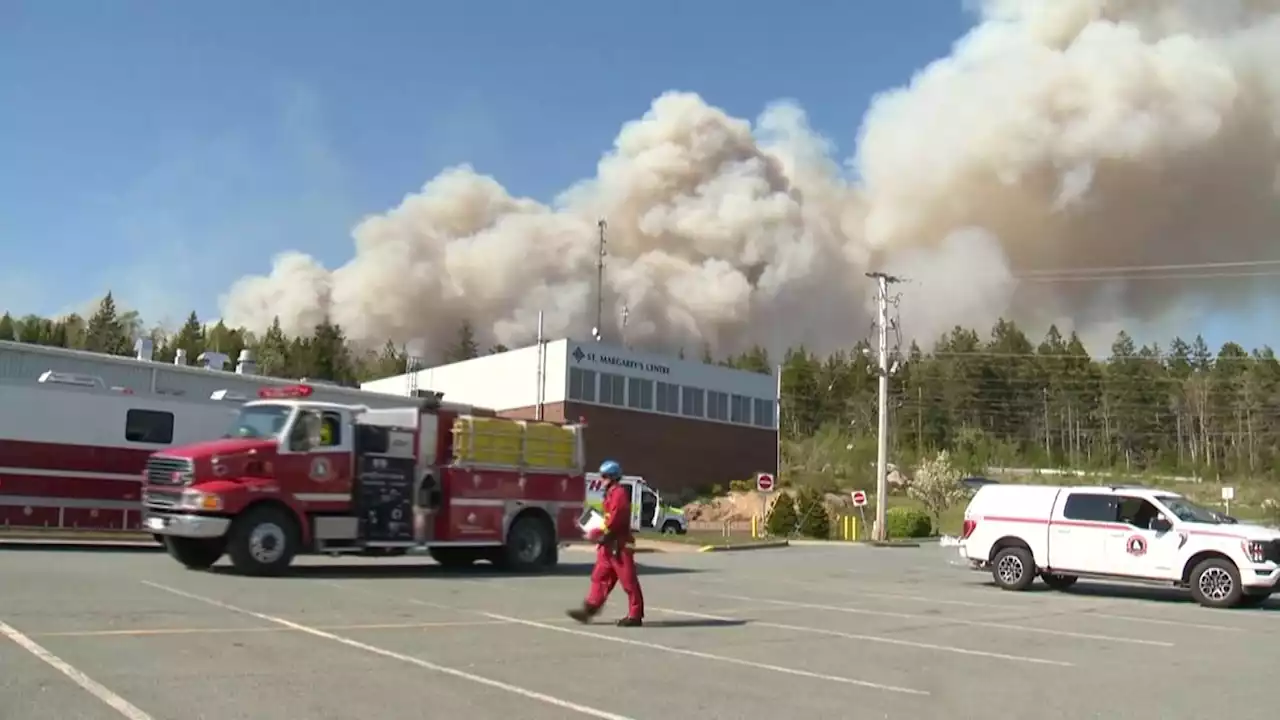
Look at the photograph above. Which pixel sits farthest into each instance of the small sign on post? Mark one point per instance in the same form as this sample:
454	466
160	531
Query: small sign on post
859	498
1228	494
764	482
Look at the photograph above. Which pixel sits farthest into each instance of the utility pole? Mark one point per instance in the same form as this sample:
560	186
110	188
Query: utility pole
882	434
599	328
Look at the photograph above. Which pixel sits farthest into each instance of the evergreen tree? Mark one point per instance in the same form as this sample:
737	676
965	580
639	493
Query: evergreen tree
8	328
782	519
272	352
814	519
465	346
105	333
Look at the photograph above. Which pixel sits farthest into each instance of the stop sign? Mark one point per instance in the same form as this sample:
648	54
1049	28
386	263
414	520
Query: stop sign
764	482
859	498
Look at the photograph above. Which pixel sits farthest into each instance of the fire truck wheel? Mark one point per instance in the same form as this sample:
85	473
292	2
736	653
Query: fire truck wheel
263	541
195	554
531	545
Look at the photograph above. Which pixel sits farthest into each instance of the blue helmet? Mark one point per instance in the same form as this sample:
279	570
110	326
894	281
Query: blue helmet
611	469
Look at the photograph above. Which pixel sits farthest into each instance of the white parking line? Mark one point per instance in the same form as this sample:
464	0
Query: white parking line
875	639
944	619
409	659
93	687
709	656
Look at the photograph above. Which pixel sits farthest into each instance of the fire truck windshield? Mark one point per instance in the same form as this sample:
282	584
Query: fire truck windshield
259	421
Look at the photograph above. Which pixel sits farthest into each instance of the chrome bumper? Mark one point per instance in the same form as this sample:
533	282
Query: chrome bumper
188	526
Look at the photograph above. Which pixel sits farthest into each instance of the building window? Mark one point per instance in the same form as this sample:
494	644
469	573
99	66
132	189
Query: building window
692	401
640	393
582	384
717	405
668	398
740	409
613	389
764	413
148	426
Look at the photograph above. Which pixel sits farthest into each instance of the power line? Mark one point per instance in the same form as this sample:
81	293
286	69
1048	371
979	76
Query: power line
1146	268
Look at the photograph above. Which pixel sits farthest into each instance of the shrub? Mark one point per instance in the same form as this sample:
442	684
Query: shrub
717	490
937	485
903	522
815	522
782	518
742	485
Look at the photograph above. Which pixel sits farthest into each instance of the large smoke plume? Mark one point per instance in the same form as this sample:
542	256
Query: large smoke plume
1063	134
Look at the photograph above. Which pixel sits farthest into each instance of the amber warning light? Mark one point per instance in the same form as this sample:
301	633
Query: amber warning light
288	391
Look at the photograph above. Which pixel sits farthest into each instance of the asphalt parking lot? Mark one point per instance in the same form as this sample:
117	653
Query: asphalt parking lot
805	632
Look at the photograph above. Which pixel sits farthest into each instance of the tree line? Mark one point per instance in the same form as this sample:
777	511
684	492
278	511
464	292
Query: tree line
996	399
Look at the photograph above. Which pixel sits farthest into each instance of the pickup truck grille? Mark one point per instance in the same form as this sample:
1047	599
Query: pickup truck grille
163	470
1273	551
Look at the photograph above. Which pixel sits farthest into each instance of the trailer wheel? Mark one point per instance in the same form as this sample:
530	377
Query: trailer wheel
193	553
263	541
530	546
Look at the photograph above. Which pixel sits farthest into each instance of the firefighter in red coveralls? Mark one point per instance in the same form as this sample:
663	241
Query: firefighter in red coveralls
615	554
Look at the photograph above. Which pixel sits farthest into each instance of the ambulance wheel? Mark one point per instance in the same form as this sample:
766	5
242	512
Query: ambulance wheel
1059	582
263	541
193	553
531	545
1215	583
1013	568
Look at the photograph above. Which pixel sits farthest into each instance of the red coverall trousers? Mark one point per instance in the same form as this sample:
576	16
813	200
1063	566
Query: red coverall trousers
615	566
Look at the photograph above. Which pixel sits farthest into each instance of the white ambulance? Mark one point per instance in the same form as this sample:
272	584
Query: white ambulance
1118	533
647	510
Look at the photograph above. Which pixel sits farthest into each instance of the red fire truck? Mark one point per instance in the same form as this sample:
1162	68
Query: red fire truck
295	475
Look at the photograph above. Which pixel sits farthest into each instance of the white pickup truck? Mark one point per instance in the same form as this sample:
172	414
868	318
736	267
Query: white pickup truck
1119	533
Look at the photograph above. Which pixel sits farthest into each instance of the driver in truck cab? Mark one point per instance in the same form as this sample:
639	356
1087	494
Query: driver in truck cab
615	554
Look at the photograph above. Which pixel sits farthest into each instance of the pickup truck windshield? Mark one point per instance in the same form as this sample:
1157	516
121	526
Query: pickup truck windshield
1188	511
259	421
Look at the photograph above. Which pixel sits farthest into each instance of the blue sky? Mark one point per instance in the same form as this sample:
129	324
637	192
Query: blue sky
164	149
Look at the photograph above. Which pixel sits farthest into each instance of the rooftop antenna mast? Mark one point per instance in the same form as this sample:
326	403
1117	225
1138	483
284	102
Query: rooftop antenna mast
596	331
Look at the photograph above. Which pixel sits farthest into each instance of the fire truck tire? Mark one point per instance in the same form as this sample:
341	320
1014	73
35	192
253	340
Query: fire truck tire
195	554
263	541
531	545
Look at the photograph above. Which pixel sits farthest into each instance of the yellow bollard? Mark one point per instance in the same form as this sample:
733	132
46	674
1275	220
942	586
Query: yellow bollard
755	527
849	528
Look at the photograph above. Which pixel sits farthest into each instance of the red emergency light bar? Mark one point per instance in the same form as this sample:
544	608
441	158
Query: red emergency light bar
288	391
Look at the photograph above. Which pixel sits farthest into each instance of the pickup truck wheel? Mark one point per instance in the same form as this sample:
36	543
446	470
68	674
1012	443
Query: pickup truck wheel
263	541
193	553
1058	582
1013	568
530	545
671	528
1215	583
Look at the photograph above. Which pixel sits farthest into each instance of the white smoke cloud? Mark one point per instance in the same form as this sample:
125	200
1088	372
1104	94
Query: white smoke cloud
1058	134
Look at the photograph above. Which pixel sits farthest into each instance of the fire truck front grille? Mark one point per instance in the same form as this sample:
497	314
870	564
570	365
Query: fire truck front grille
169	471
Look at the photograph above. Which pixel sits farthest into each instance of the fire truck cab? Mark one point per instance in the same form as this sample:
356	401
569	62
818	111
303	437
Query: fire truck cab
294	476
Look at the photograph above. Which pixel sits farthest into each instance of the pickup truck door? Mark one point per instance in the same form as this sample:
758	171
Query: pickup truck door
1138	550
1080	530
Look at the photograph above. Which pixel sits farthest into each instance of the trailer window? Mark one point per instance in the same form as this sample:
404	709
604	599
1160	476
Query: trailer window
148	426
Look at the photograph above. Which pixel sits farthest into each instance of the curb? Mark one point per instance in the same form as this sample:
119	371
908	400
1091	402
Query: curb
739	548
893	544
578	547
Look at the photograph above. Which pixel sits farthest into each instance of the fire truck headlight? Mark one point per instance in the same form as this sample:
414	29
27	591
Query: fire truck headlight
195	500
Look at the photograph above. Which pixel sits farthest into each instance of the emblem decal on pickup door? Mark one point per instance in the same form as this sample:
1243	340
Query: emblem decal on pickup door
1136	546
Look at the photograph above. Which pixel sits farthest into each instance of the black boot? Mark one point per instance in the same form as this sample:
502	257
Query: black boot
582	614
630	622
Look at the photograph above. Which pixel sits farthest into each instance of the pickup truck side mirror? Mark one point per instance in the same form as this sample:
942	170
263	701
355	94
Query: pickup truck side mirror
1161	524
